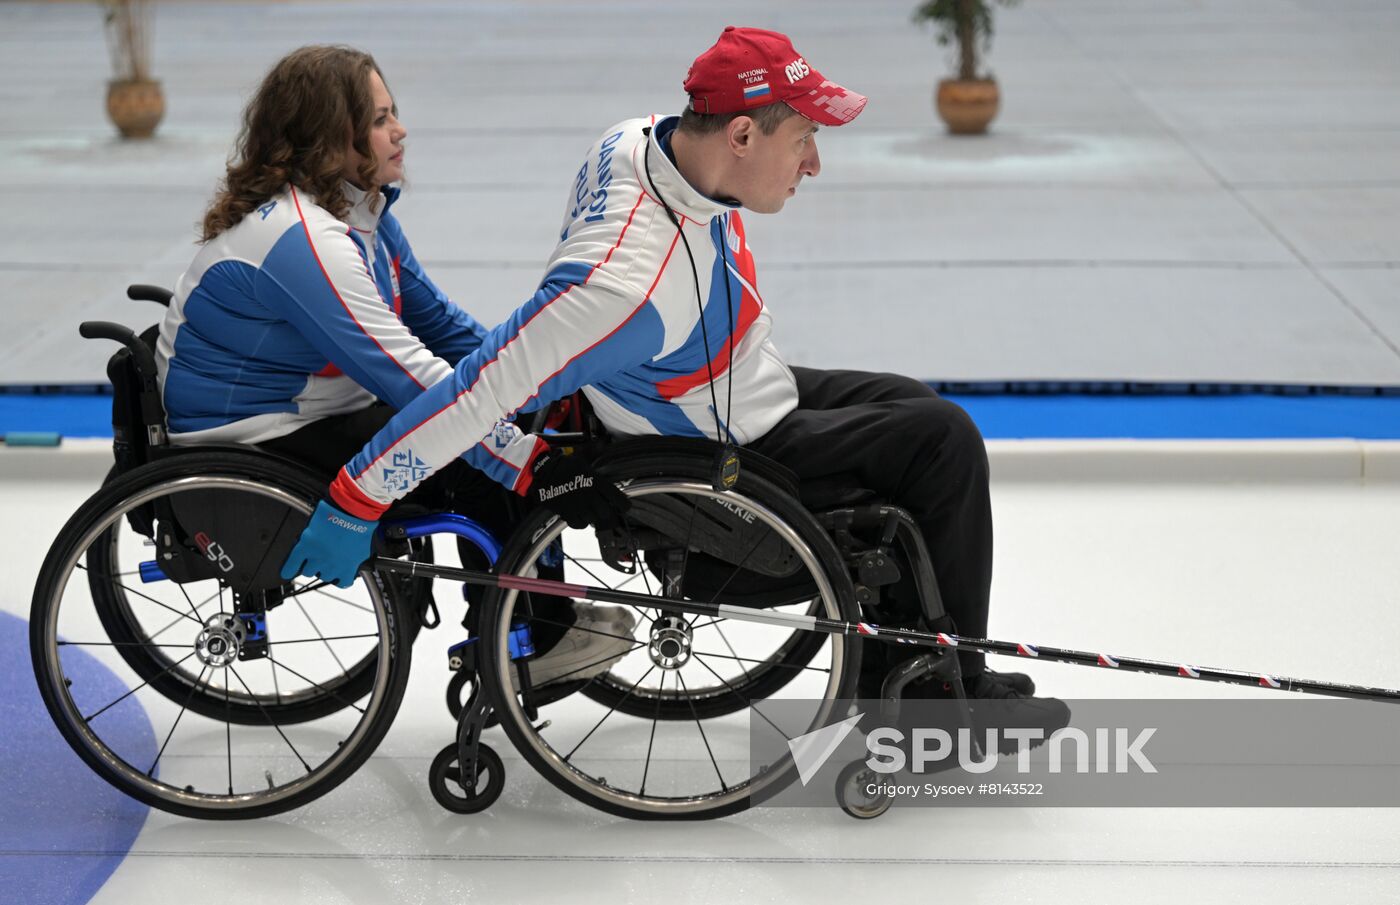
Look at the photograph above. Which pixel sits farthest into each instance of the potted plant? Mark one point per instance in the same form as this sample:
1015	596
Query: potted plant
134	101
969	102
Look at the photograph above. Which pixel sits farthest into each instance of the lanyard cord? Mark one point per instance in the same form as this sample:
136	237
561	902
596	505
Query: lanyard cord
723	429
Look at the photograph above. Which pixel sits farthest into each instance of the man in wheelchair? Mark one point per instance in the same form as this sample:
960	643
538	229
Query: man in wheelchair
651	304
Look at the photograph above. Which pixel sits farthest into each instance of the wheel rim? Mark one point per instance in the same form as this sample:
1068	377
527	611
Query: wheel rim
202	763
558	746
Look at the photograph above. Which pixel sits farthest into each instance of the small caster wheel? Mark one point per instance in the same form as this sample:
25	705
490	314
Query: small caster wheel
445	779
851	792
456	701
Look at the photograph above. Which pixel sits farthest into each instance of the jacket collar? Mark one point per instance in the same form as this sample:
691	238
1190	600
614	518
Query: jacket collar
682	197
363	215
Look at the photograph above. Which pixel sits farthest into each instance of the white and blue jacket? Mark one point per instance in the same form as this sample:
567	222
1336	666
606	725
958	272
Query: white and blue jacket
617	313
293	315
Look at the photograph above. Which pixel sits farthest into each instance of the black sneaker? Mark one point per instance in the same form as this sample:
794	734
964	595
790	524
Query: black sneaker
996	703
1017	680
872	680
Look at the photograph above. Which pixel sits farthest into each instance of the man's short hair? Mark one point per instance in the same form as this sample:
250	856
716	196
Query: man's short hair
768	118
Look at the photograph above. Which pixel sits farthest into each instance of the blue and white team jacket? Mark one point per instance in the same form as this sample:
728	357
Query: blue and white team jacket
292	315
617	313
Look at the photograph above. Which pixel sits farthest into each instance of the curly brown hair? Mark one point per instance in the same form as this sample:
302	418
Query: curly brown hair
312	107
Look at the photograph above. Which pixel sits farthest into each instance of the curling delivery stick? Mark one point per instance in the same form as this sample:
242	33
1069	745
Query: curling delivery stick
892	635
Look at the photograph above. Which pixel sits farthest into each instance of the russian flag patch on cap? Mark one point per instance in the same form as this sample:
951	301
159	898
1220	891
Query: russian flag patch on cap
756	93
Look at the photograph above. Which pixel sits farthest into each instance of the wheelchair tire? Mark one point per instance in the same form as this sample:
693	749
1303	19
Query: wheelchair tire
217	744
445	780
693	785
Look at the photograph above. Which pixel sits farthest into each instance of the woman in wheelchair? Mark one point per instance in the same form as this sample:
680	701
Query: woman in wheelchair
305	320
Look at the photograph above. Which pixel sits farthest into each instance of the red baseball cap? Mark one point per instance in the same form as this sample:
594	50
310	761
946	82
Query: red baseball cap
751	67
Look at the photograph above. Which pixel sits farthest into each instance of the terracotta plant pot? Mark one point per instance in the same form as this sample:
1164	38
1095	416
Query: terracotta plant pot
968	107
135	107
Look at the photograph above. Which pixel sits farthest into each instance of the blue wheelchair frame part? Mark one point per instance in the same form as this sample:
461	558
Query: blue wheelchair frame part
422	526
521	644
418	526
450	523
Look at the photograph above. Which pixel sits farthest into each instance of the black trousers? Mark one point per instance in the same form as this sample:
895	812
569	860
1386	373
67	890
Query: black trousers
895	436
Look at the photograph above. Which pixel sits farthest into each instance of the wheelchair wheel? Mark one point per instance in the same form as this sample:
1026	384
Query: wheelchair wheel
445	780
254	695
122	602
630	760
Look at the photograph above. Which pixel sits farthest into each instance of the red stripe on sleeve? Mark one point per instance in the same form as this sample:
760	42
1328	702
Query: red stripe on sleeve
522	483
352	499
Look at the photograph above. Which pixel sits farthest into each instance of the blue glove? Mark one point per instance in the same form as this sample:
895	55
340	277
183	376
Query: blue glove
331	547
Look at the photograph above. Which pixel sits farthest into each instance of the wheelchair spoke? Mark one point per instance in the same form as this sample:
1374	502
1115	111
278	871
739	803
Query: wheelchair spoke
603	659
725	639
732	575
174	622
318	685
319	587
167	627
317	629
173	726
769	663
591	574
272	666
542	620
651	742
146	644
734	691
269	719
228	725
168	669
611	711
193	607
680	680
319	639
167	606
602	583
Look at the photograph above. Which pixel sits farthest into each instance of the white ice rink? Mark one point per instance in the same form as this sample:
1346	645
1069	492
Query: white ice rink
1283	575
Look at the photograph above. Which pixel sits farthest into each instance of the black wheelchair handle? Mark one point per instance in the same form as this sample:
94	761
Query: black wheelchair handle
141	354
141	292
